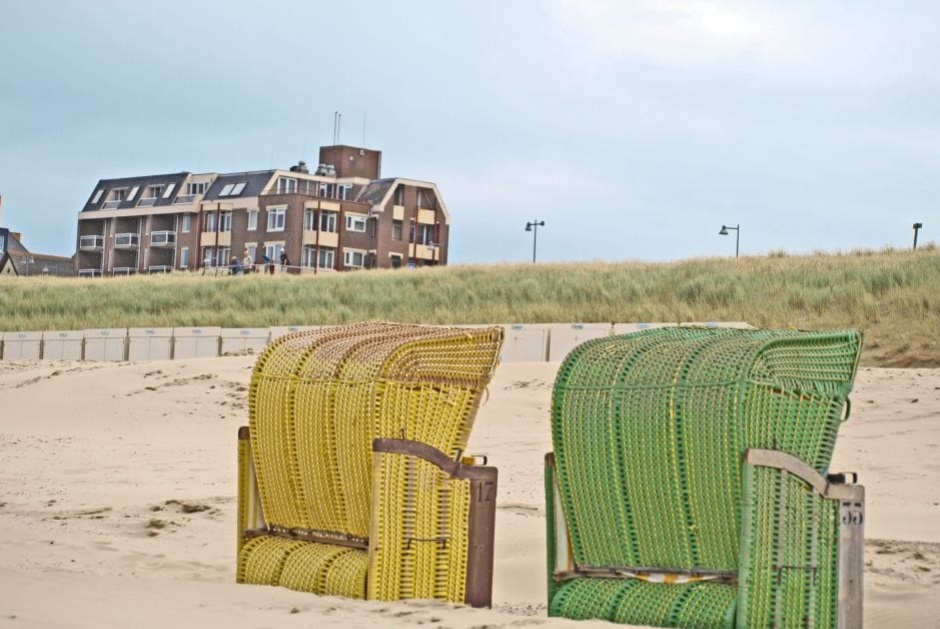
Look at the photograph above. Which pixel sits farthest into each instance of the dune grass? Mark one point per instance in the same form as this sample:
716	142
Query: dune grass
893	296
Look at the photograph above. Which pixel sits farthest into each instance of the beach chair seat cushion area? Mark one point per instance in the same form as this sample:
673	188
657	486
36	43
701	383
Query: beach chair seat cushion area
654	517
351	475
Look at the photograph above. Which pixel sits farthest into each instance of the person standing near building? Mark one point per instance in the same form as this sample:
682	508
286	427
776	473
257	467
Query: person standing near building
285	262
247	262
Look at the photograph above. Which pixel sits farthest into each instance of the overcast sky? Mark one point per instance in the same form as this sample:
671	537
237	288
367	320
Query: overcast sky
633	129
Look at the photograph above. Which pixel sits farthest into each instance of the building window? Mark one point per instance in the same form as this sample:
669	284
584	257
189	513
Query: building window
353	258
396	230
133	193
273	252
423	234
310	220
154	191
309	256
97	196
252	254
400	195
239	187
208	257
276	219
355	223
169	191
344	191
286	185
196	188
226	189
328	222
225	222
119	194
395	261
327	259
187	223
373	226
224	256
184	257
210	222
252	220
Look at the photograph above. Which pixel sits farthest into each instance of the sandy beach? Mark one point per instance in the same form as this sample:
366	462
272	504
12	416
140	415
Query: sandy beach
118	495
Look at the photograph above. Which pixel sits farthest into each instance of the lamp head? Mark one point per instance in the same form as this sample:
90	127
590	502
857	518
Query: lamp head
918	225
528	227
724	231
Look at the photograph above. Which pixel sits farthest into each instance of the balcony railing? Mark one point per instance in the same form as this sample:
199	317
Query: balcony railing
124	270
160	268
126	241
184	198
164	238
148	202
91	243
111	205
89	272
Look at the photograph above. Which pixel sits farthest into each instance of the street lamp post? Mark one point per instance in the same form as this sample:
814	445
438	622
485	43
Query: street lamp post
737	237
533	227
917	228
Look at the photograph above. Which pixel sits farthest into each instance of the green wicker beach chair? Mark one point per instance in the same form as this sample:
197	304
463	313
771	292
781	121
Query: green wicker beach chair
351	475
689	482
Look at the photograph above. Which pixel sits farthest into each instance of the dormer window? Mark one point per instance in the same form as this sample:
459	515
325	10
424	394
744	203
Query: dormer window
115	198
286	185
154	192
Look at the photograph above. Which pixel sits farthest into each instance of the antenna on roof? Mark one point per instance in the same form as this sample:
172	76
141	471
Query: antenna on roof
363	129
335	118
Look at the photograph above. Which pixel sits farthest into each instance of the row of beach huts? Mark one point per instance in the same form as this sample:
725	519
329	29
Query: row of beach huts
523	342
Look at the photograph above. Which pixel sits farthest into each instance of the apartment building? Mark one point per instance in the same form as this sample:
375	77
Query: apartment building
342	216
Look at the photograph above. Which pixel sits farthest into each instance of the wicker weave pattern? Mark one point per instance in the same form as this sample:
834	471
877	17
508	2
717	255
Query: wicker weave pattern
693	605
317	400
419	533
305	566
649	430
788	524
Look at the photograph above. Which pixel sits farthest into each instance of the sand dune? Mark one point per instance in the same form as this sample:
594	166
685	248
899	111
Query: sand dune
117	500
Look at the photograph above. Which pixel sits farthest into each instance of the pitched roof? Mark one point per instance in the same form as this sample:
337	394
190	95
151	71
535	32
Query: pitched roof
41	264
141	183
375	191
254	184
26	263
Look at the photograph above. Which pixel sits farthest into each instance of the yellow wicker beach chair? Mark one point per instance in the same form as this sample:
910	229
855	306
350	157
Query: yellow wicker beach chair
352	479
689	485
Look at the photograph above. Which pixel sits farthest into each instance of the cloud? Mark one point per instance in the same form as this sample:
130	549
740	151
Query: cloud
531	189
677	33
797	42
